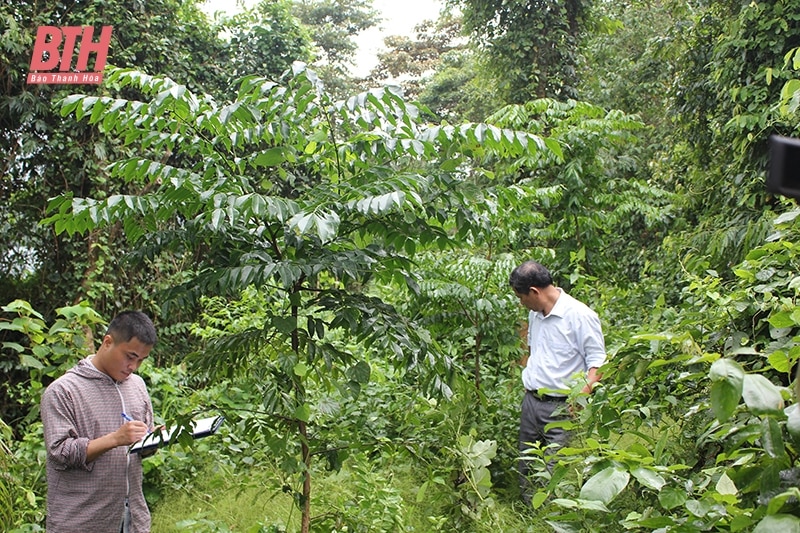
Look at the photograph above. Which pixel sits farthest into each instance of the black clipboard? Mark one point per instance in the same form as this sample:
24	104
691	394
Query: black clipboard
200	428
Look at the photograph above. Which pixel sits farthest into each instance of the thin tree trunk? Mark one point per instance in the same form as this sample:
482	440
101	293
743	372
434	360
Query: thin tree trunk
478	340
306	520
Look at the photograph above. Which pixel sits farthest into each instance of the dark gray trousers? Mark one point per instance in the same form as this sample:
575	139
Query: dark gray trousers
536	414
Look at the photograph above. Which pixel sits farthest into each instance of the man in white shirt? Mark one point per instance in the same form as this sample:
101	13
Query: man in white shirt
565	342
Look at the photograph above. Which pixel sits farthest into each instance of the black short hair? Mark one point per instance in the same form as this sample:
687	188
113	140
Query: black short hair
529	274
130	324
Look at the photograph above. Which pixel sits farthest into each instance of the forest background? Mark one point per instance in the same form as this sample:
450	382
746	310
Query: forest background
326	258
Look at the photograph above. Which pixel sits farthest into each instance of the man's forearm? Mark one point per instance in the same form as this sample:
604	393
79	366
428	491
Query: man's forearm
592	377
127	434
101	445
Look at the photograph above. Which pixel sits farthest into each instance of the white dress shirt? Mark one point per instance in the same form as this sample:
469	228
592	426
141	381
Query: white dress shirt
567	341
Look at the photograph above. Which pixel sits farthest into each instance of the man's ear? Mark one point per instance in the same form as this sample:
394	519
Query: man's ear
108	341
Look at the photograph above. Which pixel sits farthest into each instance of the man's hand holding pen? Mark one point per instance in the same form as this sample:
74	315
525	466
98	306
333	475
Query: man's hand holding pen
131	431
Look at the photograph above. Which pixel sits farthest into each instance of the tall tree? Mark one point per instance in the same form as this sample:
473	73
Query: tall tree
531	46
604	198
409	61
266	39
630	57
724	100
45	154
333	24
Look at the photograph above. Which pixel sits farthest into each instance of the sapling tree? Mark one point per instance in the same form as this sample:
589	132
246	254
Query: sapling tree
306	199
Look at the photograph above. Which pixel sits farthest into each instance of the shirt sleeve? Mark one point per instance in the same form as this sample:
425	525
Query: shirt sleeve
65	447
594	346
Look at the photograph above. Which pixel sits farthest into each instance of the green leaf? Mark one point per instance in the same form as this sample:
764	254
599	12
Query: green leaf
14	346
784	523
782	319
592	505
727	382
564	502
780	361
772	439
270	158
21	307
217	218
301	369
605	485
777	502
698	508
761	396
285	324
421	492
31	362
672	497
539	498
359	372
793	421
303	412
726	486
648	478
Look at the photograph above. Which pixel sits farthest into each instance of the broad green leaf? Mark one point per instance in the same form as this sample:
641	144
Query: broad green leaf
783	523
605	485
270	158
564	502
726	486
539	498
793	421
21	307
327	226
672	497
772	439
285	324
760	395
303	412
14	346
726	370
592	505
777	502
727	382
649	478
699	508
359	372
301	369
779	360
781	319
30	362
69	104
217	219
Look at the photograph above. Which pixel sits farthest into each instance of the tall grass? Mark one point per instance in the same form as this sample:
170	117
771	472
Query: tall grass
361	496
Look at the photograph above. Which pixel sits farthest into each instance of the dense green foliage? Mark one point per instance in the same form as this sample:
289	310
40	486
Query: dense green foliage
532	47
331	273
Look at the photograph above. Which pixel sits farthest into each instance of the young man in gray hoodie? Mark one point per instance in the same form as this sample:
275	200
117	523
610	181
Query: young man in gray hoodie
91	415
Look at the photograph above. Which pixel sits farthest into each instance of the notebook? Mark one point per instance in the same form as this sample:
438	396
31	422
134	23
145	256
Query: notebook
200	428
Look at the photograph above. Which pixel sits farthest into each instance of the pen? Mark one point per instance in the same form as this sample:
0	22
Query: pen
129	419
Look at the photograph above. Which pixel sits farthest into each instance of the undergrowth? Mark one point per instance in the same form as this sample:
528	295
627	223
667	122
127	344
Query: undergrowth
360	497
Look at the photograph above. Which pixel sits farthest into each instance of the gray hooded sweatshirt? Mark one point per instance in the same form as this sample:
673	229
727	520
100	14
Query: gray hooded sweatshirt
80	406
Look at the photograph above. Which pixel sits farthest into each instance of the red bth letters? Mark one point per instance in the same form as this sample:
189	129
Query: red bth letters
47	54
